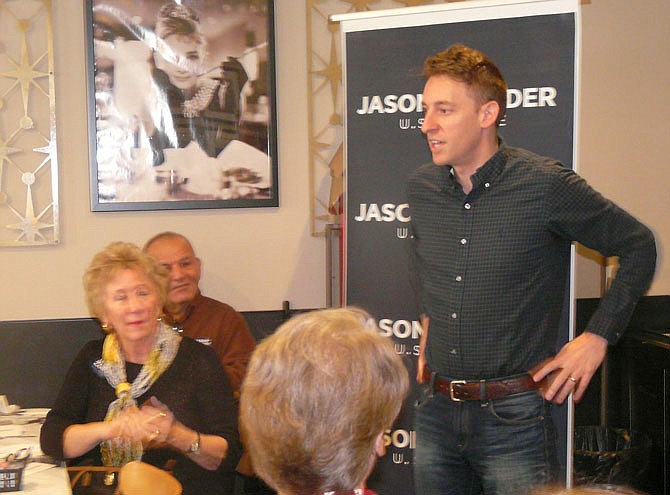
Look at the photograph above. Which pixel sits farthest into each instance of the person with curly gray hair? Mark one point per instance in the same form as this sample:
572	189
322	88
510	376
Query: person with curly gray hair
318	396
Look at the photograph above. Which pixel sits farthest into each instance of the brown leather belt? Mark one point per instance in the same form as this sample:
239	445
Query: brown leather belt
484	390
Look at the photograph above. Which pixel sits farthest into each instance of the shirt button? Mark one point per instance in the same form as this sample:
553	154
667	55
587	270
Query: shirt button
487	185
464	241
454	316
458	278
467	206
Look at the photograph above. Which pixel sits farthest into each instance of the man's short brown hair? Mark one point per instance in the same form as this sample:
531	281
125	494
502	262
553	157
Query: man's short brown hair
475	69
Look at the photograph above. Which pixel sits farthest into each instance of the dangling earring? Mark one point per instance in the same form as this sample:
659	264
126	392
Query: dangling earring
106	328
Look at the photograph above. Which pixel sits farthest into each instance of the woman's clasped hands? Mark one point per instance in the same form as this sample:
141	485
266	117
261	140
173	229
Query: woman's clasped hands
150	424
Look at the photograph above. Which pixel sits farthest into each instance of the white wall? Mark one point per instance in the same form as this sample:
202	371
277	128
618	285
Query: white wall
253	258
256	258
625	129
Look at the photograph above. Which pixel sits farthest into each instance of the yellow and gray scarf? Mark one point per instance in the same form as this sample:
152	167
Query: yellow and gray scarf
119	451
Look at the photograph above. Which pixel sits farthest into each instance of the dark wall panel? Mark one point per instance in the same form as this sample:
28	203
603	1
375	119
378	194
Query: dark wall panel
36	354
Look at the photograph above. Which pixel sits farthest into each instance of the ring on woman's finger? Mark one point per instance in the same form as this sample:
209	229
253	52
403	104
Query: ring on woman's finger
161	414
572	379
154	435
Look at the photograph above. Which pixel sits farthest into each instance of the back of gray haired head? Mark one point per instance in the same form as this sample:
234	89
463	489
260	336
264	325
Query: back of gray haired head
317	395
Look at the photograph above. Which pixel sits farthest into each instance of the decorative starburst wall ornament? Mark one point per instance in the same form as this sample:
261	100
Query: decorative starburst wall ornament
324	80
28	158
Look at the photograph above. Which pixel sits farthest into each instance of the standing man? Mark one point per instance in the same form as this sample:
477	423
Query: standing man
492	230
202	318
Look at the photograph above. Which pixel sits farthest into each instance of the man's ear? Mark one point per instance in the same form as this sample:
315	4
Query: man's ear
489	113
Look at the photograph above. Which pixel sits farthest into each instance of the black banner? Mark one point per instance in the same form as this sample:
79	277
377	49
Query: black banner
536	54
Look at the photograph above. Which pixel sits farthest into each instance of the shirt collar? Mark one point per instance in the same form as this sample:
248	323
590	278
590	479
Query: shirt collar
488	172
190	308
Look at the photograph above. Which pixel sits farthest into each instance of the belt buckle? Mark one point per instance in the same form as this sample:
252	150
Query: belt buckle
451	389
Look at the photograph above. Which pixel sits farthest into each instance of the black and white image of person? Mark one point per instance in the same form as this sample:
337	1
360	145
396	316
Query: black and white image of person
180	99
202	106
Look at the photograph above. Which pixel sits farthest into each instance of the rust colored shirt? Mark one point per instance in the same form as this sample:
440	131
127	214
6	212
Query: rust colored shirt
218	325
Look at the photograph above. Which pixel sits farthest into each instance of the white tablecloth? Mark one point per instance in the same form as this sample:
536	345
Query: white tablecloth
21	430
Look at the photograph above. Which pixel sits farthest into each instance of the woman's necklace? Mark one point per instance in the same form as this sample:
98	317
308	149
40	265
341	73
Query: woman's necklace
200	100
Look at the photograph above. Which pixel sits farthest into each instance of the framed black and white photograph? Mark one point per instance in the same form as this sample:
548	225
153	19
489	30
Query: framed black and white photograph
182	104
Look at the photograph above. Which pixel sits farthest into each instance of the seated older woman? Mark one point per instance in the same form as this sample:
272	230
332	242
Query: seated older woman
143	392
316	400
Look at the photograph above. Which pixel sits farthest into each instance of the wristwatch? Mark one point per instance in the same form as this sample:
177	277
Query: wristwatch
195	446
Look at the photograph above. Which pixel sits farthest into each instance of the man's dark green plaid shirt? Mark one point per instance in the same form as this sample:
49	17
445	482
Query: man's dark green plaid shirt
491	267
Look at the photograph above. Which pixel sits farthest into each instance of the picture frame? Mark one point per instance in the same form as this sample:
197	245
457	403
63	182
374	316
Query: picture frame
181	104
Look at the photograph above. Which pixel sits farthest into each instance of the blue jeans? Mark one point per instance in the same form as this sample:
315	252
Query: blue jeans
500	447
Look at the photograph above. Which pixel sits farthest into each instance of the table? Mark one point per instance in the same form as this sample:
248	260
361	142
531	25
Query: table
23	430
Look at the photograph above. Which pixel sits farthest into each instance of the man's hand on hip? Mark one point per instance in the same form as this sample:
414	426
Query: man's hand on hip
573	367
